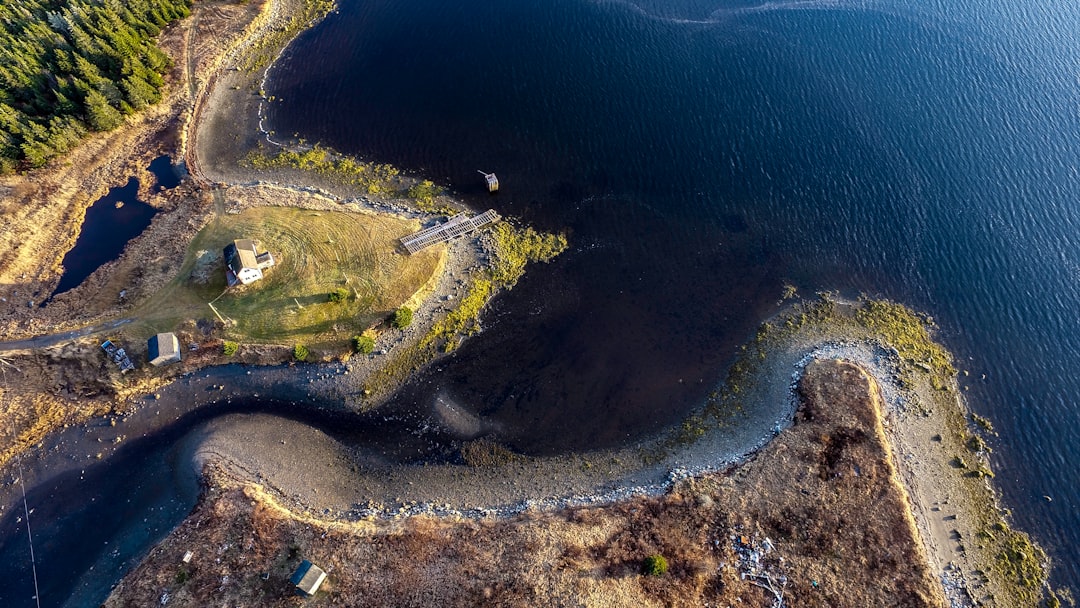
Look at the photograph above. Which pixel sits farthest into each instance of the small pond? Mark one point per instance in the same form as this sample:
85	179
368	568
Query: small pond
110	223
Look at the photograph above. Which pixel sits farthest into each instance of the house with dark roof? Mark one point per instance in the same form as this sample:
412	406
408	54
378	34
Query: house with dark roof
243	262
163	349
307	578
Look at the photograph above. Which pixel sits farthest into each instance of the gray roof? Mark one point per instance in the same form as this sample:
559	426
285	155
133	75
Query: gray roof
245	256
163	348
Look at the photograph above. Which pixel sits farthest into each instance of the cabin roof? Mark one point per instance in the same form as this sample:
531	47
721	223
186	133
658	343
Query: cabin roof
163	348
241	254
308	577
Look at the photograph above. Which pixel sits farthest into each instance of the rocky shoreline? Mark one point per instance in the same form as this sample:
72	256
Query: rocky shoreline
924	427
729	511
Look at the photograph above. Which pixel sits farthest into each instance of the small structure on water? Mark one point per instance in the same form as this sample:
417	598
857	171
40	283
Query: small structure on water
440	233
243	262
492	181
307	578
163	349
118	356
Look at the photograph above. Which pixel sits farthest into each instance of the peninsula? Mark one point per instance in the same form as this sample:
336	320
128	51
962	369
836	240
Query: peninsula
836	465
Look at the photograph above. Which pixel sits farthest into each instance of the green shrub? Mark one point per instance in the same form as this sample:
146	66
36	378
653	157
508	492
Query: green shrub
364	345
229	348
976	444
515	247
300	352
402	317
338	295
655	565
425	193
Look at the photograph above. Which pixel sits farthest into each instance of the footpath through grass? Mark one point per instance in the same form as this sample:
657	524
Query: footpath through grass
317	253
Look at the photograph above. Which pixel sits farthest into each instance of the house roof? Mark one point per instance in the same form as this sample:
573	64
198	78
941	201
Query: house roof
241	254
308	577
162	348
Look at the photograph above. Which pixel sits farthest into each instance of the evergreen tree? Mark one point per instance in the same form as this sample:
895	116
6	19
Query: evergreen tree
71	66
100	115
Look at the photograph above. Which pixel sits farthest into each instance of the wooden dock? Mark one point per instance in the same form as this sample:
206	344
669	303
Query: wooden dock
456	226
492	181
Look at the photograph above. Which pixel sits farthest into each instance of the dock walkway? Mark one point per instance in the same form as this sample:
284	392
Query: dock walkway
456	226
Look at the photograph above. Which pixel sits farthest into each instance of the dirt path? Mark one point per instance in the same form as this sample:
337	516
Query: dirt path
49	340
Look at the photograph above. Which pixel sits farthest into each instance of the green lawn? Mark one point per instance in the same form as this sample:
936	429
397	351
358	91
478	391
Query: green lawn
316	252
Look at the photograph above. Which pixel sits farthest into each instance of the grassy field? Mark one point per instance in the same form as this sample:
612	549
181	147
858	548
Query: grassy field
317	252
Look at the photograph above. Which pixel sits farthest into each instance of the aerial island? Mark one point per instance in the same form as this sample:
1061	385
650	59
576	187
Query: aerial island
835	465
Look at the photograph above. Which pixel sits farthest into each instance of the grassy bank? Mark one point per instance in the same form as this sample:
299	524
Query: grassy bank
377	179
370	178
511	249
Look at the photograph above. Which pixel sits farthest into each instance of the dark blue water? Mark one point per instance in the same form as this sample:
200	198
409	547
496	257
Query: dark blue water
703	152
165	174
108	227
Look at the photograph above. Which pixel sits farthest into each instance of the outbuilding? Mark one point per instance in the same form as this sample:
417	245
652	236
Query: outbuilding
307	578
163	349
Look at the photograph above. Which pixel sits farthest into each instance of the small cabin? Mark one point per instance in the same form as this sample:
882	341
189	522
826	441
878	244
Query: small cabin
163	349
307	578
244	264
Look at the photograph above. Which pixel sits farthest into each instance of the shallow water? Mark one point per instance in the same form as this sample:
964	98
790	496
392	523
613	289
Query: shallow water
110	223
165	174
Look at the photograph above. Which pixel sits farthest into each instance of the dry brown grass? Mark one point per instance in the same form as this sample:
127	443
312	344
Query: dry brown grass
45	390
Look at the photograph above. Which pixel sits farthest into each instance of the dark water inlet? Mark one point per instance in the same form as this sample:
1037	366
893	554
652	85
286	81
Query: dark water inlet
110	223
164	172
105	232
92	520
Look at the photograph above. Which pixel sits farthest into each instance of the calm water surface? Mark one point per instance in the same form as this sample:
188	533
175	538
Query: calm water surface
110	223
703	152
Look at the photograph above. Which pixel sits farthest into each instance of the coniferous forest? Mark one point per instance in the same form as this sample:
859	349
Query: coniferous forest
69	67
